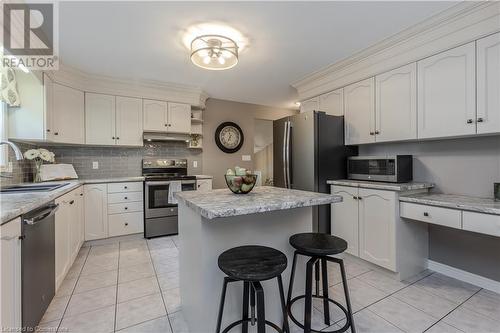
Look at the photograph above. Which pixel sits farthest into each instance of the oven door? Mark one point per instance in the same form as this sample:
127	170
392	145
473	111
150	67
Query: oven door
156	199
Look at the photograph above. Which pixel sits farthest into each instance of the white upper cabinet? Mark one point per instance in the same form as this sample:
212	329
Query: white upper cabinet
488	84
179	118
359	108
310	105
446	93
396	104
129	121
68	115
100	119
155	115
332	103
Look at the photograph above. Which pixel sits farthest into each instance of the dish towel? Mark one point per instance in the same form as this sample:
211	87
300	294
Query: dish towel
175	186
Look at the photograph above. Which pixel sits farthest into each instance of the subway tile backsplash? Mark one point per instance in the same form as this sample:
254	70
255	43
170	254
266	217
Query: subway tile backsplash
113	161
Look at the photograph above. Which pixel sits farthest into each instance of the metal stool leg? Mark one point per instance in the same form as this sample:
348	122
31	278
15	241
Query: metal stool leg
326	304
308	296
261	312
246	290
292	276
252	306
286	328
221	306
316	276
346	293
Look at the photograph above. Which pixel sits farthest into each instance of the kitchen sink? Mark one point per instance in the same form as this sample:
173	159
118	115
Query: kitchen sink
24	188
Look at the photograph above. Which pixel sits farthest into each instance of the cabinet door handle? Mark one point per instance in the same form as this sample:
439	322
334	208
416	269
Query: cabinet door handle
166	125
56	133
81	194
125	187
169	125
126	198
360	198
117	138
72	202
48	130
372	133
126	224
470	121
377	132
113	137
126	208
480	120
426	214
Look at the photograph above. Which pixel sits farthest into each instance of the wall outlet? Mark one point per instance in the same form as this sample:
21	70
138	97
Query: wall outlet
195	164
95	165
246	157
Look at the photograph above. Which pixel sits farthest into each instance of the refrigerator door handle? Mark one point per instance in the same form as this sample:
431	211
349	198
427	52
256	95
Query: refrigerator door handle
288	138
284	154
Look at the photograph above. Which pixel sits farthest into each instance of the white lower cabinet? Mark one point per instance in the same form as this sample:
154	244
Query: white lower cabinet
345	217
68	232
369	221
96	211
10	274
377	227
113	209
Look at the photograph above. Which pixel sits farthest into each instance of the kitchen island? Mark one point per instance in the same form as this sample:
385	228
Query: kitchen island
212	222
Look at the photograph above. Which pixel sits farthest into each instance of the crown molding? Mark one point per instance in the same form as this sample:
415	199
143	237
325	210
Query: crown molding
148	89
460	24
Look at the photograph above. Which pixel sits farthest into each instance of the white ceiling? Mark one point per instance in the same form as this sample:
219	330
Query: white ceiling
287	40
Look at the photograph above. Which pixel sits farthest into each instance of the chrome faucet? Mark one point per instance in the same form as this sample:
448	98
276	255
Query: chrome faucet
17	151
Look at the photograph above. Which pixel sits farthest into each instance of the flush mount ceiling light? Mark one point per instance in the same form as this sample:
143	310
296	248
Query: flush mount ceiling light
214	52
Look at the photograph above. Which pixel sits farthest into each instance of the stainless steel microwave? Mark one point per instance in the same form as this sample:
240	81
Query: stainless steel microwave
394	169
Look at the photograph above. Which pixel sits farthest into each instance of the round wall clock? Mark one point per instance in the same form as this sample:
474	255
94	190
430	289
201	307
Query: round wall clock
229	137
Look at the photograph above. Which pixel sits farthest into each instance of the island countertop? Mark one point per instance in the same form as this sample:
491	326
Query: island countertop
224	203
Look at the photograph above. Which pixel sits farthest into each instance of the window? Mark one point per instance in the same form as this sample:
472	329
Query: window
4	152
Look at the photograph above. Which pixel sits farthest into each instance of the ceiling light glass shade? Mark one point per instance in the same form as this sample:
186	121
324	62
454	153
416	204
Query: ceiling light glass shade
214	52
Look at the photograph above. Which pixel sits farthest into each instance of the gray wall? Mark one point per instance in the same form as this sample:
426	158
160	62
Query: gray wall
215	161
466	166
113	161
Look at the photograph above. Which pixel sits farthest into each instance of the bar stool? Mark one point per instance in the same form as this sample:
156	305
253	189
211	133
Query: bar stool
252	264
318	247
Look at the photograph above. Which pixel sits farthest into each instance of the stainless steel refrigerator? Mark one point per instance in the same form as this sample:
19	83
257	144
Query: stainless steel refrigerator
309	150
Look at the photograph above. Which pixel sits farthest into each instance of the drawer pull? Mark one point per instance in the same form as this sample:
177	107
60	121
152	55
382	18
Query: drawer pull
126	224
126	208
125	187
126	198
426	214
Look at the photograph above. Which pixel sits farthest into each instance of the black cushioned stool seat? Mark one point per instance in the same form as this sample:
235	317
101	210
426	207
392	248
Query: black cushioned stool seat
319	247
252	264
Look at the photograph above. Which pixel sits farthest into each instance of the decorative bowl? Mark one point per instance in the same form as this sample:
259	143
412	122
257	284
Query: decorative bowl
241	184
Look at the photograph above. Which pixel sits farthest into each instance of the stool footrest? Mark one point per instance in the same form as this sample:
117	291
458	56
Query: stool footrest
241	321
299	324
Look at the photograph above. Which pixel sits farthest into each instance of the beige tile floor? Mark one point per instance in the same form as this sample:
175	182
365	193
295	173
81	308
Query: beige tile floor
132	285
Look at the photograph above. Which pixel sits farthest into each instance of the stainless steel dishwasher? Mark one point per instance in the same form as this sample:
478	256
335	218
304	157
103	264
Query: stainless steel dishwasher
37	263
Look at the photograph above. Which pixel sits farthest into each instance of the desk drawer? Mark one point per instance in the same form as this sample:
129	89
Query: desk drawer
124	197
436	215
125	187
124	224
125	207
482	223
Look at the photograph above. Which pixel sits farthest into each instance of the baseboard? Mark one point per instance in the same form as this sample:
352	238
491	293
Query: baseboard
465	276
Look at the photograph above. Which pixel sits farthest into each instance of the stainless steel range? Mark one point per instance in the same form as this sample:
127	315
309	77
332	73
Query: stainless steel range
163	177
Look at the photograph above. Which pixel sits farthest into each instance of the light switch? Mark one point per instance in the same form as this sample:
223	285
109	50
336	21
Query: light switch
95	165
195	164
246	157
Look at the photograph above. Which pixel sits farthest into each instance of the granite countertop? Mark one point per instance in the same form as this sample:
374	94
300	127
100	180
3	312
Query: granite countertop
13	205
224	203
399	187
462	202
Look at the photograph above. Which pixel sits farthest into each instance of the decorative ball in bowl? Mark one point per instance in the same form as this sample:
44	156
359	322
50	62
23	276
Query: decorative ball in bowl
241	184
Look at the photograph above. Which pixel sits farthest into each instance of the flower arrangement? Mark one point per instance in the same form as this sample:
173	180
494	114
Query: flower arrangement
39	156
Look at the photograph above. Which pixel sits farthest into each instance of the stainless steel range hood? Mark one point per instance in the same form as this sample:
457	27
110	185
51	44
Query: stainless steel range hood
154	136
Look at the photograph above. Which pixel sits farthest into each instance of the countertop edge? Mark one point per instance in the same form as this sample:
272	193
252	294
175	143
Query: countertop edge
397	187
73	184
